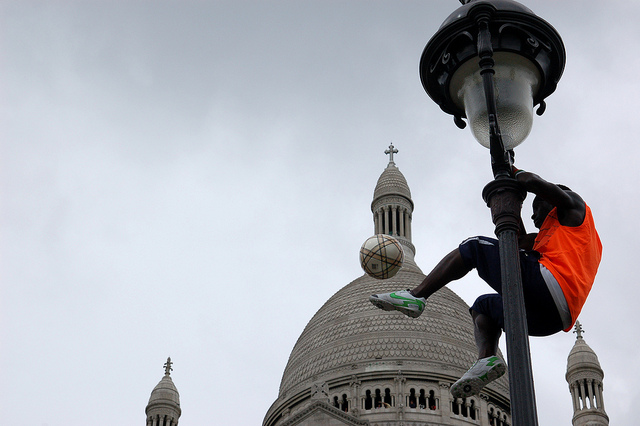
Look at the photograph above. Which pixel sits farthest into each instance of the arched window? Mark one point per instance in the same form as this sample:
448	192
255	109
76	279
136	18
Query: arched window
466	408
368	401
388	399
413	401
432	401
422	399
378	399
344	404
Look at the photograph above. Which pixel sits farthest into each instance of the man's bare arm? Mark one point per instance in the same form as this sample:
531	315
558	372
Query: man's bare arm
571	207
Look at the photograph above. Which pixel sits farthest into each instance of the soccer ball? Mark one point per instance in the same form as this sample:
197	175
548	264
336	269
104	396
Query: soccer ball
381	256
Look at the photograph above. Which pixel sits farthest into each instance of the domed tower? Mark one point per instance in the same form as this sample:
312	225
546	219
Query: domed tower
584	376
163	408
392	206
354	364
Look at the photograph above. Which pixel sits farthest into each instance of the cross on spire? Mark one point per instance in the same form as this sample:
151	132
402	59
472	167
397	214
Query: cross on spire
167	367
390	152
578	329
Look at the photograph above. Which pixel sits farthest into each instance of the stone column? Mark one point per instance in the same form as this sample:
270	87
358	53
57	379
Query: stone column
375	222
600	397
575	397
355	400
386	220
445	400
400	382
394	220
583	393
484	410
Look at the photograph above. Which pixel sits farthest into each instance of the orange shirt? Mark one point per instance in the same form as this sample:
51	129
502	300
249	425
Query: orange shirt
572	255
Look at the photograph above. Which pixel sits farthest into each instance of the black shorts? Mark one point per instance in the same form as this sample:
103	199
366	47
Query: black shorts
482	253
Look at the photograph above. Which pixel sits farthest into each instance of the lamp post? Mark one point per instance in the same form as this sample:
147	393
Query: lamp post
492	62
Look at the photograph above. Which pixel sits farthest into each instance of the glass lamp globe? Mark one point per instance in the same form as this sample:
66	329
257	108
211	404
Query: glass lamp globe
516	80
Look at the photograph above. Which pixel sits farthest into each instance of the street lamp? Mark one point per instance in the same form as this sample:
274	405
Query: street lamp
492	62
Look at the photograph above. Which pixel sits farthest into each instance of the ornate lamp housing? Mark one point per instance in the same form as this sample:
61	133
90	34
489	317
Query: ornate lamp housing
528	55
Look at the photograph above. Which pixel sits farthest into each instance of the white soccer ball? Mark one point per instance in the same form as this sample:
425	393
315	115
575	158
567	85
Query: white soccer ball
381	256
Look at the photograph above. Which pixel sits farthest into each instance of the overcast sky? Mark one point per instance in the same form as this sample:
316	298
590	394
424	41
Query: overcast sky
193	179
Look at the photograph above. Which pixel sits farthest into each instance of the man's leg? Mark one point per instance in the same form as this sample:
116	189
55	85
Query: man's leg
476	252
452	267
489	366
412	302
487	334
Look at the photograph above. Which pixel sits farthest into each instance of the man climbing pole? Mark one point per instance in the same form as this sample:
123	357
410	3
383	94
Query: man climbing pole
558	265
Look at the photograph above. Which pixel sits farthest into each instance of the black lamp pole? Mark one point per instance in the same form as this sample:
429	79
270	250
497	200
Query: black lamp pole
504	196
474	32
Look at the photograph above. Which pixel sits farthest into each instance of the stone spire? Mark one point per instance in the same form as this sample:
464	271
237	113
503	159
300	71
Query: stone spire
584	376
392	206
163	408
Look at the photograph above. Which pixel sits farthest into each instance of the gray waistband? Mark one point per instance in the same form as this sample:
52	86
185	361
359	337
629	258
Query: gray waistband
557	295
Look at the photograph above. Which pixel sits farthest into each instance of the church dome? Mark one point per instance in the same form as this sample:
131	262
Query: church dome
584	376
391	182
348	335
582	357
165	392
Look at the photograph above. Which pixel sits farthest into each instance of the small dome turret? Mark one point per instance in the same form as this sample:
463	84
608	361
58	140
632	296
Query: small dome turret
392	207
582	356
163	408
584	376
391	183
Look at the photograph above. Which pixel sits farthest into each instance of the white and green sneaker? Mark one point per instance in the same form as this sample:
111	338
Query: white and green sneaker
402	301
483	372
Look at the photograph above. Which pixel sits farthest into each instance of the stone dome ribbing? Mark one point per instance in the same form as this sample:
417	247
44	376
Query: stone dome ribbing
582	357
164	402
165	392
391	182
348	335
